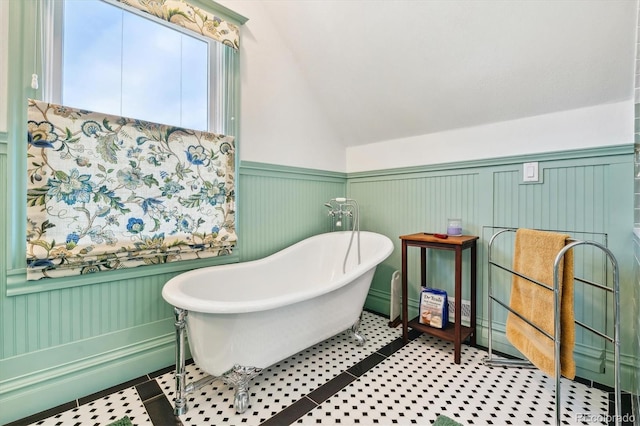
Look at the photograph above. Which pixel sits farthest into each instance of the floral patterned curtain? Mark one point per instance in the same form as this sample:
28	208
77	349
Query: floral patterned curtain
184	14
107	192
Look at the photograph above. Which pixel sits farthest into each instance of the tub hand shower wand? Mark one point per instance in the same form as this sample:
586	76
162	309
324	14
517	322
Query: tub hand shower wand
341	210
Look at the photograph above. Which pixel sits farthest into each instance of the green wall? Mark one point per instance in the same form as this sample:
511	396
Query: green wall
61	344
587	192
282	205
636	323
64	343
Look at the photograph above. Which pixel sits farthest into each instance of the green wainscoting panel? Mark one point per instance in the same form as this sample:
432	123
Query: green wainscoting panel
42	320
118	330
588	193
636	308
60	345
398	205
89	336
43	379
64	339
574	199
282	205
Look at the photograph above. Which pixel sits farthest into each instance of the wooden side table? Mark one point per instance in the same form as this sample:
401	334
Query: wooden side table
455	332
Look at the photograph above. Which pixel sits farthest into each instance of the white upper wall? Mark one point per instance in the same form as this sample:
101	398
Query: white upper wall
509	78
394	69
601	125
281	121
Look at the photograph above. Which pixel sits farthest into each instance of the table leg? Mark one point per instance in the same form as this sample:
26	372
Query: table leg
473	293
405	310
458	306
423	266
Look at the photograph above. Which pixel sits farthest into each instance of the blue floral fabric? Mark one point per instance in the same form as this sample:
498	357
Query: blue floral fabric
107	192
187	15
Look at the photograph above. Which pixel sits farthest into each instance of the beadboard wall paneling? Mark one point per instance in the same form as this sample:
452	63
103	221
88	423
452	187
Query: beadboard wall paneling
574	200
402	205
636	308
565	200
41	320
43	379
7	333
282	205
579	192
67	333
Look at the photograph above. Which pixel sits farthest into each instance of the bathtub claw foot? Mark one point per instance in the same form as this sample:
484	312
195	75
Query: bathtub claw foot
241	401
360	339
355	332
239	378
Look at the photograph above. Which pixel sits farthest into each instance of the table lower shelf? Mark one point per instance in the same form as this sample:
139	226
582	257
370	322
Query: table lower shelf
447	333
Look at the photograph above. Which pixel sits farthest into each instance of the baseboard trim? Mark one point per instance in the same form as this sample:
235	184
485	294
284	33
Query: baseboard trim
28	394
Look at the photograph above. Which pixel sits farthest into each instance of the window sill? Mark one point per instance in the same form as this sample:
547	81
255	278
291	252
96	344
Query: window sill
17	283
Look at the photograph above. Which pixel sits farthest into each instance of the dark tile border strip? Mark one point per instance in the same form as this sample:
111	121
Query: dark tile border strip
333	386
291	414
158	406
44	414
34	418
316	397
148	390
366	364
142	384
113	389
626	408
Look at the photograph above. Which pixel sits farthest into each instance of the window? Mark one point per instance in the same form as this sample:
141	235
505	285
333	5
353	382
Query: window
127	63
122	173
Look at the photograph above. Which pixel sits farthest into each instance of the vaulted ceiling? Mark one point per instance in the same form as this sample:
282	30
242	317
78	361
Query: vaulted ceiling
389	69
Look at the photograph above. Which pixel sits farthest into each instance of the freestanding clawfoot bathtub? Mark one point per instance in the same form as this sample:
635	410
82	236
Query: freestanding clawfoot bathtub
244	317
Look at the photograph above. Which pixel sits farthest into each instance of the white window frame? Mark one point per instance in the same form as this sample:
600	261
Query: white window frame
25	48
52	63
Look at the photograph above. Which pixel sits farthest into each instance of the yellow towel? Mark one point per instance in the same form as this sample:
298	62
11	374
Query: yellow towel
535	252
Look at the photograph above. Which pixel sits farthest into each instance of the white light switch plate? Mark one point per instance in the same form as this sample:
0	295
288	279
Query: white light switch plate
530	172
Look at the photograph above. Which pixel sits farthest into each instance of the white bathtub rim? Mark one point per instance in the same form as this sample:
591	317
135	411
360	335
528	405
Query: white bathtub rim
190	303
173	293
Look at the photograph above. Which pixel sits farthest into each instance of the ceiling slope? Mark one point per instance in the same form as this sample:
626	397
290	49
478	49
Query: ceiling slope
385	70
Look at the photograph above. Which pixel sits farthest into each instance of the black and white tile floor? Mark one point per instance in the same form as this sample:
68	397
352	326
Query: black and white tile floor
339	383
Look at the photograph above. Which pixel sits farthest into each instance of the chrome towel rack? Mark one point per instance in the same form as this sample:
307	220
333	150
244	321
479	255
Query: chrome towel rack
614	290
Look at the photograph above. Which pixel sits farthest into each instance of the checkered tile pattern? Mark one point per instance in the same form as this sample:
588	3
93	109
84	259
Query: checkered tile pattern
283	383
420	382
103	411
338	383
